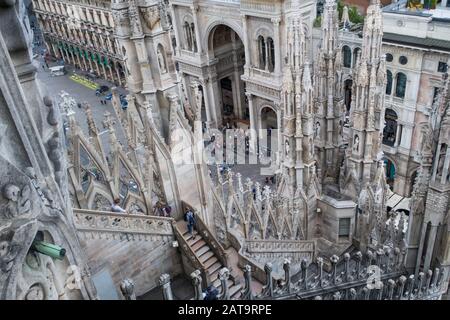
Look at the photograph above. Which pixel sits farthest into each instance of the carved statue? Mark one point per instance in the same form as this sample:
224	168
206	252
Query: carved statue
18	200
287	148
317	130
356	143
161	61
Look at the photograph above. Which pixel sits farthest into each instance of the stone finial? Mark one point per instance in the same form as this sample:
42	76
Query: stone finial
164	282
196	279
127	289
224	275
268	287
247	293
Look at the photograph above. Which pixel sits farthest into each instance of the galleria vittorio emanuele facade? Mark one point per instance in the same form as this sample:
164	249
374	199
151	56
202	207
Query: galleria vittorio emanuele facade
264	150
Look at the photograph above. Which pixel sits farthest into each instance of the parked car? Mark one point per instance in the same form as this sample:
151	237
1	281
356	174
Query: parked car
123	100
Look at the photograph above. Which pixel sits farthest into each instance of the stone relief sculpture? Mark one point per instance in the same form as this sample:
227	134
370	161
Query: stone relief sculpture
151	16
18	200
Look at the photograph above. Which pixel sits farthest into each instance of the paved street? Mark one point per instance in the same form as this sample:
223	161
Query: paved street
55	84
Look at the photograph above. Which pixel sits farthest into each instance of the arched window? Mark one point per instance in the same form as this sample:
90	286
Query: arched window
347	56
400	86
194	42
187	35
271	50
262	52
390	129
389	82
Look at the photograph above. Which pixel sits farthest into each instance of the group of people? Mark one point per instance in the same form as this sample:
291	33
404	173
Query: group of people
270	180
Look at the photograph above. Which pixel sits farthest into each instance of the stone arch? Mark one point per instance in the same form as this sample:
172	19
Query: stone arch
208	35
98	199
135	205
261	113
263	31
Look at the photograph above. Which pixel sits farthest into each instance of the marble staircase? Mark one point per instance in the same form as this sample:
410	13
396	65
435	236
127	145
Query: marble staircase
211	264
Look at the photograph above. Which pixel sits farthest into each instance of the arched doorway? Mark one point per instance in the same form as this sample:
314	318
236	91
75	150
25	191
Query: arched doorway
348	96
269	122
268	118
390	173
226	49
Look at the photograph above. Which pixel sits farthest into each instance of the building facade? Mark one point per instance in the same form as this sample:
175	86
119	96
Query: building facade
417	49
82	34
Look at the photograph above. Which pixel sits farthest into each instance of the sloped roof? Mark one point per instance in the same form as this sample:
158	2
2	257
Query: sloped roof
428	43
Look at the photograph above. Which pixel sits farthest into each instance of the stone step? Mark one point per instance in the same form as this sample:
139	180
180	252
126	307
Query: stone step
191	241
215	267
211	261
214	276
206	256
216	283
197	245
201	251
235	291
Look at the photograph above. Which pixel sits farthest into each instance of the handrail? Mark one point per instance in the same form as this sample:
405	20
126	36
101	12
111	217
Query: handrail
215	246
208	236
118	214
189	253
105	221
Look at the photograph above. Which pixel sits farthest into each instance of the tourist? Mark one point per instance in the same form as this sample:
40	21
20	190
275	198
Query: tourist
189	218
118	209
115	207
211	293
167	210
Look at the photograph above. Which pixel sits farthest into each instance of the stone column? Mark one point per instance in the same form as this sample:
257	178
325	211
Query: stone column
266	61
216	105
436	163
175	28
446	166
197	31
279	137
430	247
253	135
111	73
164	282
276	43
246	44
208	106
397	135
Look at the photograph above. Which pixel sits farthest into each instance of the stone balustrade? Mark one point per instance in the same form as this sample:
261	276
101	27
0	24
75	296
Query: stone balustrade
359	282
110	222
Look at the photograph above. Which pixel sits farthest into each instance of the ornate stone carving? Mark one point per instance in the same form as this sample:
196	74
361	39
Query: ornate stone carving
18	200
151	16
